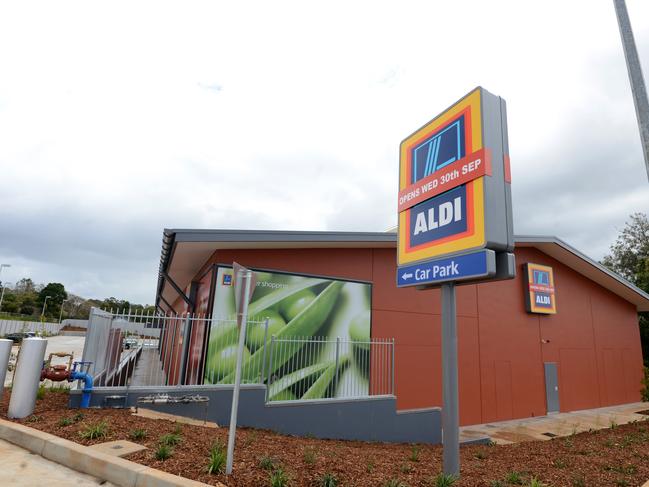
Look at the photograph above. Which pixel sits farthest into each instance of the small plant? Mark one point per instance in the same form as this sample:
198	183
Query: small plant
267	463
370	466
40	394
608	443
559	463
612	423
138	434
405	468
621	483
578	482
644	392
309	456
170	439
94	431
65	421
394	483
278	478
414	453
163	452
77	417
481	455
217	459
444	480
536	483
496	483
178	430
34	418
513	478
328	480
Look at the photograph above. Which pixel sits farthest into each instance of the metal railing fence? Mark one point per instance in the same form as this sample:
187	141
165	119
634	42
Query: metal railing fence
146	350
323	368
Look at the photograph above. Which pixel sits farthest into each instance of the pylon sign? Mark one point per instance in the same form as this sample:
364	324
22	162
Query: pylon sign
455	193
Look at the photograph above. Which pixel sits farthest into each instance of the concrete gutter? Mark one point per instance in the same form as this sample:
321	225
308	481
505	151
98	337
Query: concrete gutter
118	471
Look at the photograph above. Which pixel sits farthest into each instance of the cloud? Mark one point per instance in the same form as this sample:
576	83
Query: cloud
116	123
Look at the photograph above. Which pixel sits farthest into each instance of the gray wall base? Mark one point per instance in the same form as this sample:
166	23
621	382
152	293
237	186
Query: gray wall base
367	419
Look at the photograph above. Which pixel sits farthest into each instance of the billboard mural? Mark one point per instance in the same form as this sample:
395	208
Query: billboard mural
297	309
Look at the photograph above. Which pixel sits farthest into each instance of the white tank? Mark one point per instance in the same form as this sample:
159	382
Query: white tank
5	353
27	377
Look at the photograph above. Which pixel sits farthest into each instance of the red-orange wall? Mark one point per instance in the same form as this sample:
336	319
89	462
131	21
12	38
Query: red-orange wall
593	338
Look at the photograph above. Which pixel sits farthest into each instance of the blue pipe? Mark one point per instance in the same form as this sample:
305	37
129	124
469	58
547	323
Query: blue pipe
87	384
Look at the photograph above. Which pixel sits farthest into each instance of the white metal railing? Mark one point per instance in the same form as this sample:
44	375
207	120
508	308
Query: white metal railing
322	368
147	350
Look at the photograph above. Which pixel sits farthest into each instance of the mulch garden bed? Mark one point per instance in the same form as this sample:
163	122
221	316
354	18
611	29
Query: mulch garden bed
617	456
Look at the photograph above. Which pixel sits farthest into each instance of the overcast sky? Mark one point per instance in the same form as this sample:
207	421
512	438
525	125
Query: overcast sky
123	118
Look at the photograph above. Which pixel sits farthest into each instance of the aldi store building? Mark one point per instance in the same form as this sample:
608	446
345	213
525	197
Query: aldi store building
576	345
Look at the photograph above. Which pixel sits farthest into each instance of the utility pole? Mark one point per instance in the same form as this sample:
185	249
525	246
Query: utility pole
638	88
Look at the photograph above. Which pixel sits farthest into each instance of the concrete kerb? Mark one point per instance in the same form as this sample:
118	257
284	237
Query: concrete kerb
118	471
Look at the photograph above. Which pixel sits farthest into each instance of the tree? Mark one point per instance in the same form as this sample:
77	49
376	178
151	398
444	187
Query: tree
629	257
57	294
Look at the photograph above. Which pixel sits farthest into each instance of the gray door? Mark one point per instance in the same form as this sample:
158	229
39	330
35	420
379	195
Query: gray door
551	387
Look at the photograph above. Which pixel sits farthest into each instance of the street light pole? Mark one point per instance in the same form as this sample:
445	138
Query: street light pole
61	313
638	89
2	266
44	304
2	294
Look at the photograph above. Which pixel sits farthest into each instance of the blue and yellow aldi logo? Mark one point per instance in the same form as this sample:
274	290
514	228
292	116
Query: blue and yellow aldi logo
442	167
539	289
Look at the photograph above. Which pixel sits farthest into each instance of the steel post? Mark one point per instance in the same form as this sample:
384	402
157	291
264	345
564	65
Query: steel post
450	410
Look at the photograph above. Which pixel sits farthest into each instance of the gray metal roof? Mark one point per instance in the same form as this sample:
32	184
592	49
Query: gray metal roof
550	245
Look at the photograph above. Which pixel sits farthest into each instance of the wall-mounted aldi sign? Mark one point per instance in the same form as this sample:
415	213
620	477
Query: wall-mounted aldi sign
539	289
454	185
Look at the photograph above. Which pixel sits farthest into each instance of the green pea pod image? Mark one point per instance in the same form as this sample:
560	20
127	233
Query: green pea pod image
286	382
272	299
323	387
306	323
359	333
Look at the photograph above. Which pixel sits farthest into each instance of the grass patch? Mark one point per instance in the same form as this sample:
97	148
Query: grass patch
170	439
138	434
309	455
278	478
163	452
394	483
94	431
217	459
514	478
267	463
328	480
414	453
444	480
65	422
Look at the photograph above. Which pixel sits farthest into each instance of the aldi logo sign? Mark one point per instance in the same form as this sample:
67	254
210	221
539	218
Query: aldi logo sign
454	192
539	289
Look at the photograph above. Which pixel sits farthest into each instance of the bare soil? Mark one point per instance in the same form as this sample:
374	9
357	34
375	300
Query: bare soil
617	456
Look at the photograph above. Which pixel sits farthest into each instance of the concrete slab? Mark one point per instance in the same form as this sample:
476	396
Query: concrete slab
21	468
561	424
148	413
118	448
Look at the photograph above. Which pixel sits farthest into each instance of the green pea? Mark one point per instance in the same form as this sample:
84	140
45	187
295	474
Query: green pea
255	334
359	329
294	304
224	361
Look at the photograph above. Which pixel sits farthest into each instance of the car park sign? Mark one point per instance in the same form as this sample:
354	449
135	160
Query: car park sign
454	187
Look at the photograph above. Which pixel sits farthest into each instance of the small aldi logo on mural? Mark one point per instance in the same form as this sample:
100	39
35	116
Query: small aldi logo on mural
539	289
227	280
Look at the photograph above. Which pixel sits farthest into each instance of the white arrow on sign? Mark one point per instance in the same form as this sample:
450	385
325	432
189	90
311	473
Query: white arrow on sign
407	275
